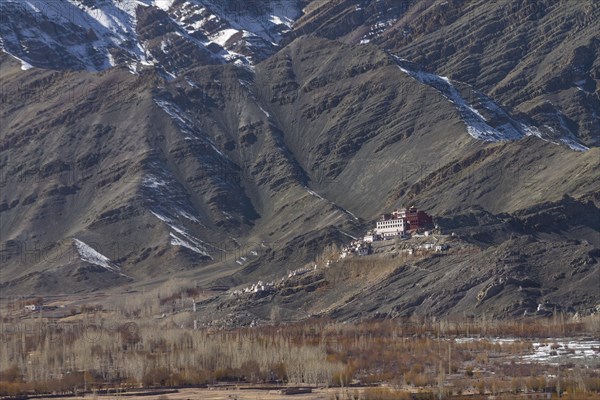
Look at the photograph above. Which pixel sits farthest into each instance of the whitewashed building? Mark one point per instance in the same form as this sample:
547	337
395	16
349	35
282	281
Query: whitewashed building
371	237
388	227
441	247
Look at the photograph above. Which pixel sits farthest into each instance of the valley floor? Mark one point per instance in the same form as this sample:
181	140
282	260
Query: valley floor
226	394
249	393
374	360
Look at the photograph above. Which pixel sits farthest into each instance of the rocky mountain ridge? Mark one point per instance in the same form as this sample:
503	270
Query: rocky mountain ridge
170	35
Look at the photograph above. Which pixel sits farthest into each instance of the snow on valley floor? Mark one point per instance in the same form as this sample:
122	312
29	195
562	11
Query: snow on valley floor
584	351
565	350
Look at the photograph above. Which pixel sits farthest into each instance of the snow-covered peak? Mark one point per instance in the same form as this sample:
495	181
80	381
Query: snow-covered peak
174	35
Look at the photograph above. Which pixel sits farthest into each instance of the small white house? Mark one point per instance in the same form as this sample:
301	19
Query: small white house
371	237
31	307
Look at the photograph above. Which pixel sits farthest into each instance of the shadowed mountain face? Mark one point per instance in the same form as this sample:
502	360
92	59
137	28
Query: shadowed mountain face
226	145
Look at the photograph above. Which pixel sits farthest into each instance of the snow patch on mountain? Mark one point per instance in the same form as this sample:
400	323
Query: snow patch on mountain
164	4
82	35
186	125
478	126
154	182
377	30
89	255
181	237
168	198
168	201
269	20
177	241
567	136
336	206
221	37
68	34
313	193
25	66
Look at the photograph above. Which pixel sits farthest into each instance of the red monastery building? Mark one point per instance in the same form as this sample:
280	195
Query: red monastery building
418	219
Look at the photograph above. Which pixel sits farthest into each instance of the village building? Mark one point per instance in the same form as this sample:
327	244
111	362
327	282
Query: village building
39	307
364	251
441	247
391	225
360	247
417	219
371	237
403	224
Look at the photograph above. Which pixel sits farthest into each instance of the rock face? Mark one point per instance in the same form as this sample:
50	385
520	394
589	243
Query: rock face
231	141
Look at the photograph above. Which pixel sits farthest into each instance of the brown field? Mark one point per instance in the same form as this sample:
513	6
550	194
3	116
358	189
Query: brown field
221	394
317	394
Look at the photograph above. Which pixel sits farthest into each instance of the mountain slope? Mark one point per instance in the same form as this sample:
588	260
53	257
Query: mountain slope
539	58
172	35
227	150
226	158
